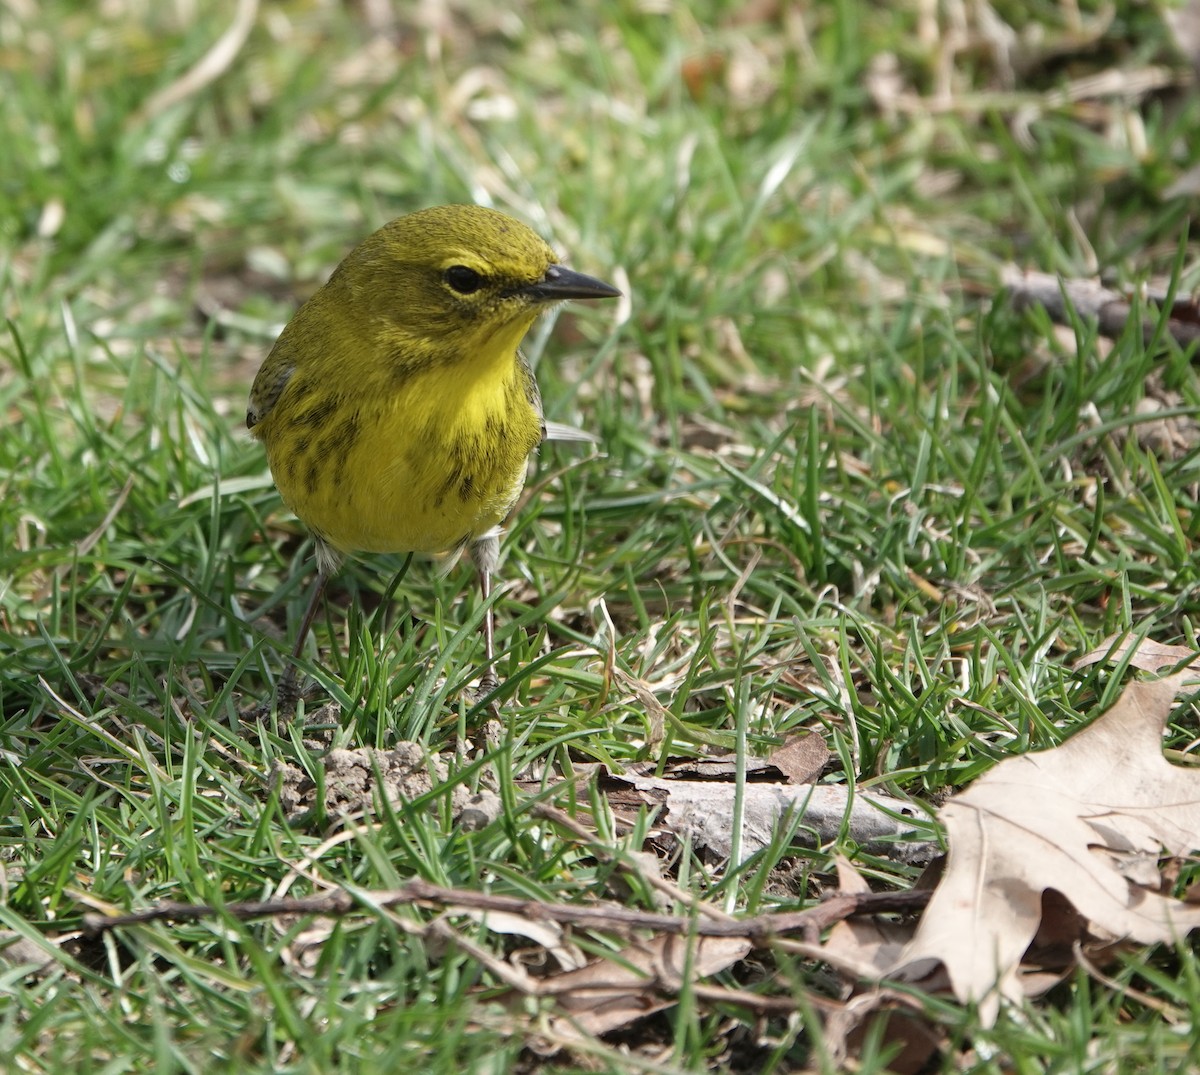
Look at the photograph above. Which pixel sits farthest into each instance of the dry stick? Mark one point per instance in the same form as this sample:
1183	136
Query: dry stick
757	929
1090	299
764	1005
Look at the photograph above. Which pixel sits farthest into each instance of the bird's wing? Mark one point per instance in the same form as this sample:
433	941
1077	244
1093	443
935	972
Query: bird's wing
268	387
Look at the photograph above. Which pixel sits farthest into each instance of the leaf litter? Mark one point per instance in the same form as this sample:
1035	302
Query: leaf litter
1053	858
1088	820
1054	861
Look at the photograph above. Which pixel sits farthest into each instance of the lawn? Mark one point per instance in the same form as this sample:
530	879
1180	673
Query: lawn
843	485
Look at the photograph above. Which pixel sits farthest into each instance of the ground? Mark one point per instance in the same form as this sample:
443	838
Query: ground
844	485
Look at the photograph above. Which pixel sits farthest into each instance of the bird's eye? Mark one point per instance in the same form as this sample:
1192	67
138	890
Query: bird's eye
464	280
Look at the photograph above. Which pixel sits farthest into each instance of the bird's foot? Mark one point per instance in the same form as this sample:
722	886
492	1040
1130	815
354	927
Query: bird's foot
488	682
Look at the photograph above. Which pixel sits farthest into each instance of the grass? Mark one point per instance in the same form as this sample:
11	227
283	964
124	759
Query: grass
840	488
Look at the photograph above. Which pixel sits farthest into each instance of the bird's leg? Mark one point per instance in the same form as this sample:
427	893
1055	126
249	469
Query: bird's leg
488	681
288	692
486	553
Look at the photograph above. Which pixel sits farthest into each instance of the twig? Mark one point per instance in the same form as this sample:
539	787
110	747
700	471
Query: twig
1090	299
1169	1012
756	1002
758	928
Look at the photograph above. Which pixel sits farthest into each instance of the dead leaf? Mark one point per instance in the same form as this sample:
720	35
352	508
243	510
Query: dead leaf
849	879
868	945
1148	655
1077	819
802	758
547	935
637	981
799	761
904	1026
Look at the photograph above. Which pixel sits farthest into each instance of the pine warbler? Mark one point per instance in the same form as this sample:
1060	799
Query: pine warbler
397	412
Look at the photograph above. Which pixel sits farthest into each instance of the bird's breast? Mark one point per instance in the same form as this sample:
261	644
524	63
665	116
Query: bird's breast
424	467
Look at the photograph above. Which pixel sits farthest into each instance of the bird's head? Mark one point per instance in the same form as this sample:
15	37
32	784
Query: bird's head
459	274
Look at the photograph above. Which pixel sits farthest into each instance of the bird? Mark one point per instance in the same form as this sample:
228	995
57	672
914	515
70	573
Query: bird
396	409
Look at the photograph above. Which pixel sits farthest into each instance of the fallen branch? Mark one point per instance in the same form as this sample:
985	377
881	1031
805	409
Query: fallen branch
758	928
702	810
1091	300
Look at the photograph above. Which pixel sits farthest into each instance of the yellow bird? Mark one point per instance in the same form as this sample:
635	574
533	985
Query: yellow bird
397	412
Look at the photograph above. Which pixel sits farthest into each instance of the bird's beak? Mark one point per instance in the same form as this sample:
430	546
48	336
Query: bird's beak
563	283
